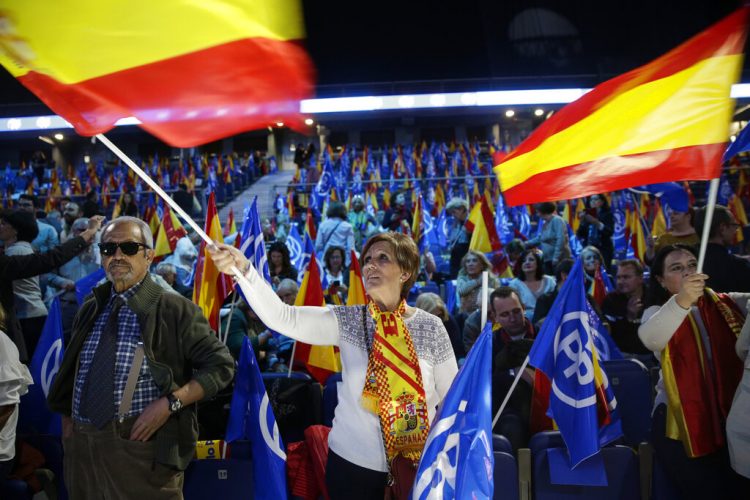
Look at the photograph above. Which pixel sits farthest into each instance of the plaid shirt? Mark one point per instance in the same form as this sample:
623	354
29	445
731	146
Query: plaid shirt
128	336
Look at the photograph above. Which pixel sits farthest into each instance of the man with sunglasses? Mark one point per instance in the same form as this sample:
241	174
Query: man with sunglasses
128	428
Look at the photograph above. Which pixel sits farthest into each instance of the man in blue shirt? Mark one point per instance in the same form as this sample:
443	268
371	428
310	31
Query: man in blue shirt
47	238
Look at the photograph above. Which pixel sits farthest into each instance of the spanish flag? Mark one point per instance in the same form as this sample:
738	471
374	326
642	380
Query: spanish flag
211	287
357	294
170	232
191	72
665	121
320	360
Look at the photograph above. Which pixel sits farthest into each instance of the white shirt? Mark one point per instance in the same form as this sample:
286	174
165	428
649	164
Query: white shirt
14	381
356	435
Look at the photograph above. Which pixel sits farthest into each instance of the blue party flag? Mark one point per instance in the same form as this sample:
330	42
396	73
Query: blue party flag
87	283
251	417
457	461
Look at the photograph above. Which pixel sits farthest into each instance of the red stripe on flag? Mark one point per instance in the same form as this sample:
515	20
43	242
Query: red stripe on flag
688	163
379	356
727	37
400	356
246	83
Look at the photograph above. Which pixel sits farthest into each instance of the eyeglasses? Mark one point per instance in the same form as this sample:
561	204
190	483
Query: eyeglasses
513	312
128	247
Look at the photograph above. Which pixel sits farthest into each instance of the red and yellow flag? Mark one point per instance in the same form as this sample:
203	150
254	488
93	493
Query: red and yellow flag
170	232
665	121
320	360
484	237
231	226
357	294
191	72
211	286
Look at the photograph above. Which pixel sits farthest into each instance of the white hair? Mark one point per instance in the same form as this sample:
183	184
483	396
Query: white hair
146	236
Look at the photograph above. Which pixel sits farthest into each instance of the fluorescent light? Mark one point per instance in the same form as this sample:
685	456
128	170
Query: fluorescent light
510	113
46	139
279	124
59	137
375	103
309	121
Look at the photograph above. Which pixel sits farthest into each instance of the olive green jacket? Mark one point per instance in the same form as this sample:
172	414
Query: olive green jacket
179	346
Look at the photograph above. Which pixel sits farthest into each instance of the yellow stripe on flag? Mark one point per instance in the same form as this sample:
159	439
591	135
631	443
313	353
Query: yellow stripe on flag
182	26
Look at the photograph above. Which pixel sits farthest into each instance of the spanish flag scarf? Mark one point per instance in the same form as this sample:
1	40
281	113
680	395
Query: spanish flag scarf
393	386
700	390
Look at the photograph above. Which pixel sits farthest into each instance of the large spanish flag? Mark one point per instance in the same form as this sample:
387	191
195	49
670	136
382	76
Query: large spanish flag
191	72
665	121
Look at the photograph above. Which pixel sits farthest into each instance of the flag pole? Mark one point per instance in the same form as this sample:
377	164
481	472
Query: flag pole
485	292
291	360
510	391
166	198
229	320
713	191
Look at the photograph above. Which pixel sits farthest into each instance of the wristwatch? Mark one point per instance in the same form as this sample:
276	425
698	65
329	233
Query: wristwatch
175	404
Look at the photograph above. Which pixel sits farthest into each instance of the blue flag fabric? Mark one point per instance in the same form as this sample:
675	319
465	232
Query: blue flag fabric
618	238
294	244
45	363
672	194
251	417
566	351
87	283
740	144
457	461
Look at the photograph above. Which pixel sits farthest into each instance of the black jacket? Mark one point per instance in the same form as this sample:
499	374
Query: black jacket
726	272
25	266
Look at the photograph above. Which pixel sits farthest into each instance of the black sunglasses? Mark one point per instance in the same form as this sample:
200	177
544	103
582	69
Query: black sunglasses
128	247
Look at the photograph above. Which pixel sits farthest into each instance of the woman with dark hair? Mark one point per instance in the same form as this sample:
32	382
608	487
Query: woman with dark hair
597	227
553	239
391	355
127	205
530	282
279	264
337	275
693	330
335	231
469	282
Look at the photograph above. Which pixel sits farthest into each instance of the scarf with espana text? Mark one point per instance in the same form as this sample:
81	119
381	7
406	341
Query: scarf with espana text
393	386
700	388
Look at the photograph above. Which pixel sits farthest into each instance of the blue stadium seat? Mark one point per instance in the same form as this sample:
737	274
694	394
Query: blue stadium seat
228	478
430	287
623	478
505	475
631	382
268	376
501	443
240	450
543	440
662	487
330	398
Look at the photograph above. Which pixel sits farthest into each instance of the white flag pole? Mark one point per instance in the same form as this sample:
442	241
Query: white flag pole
484	294
510	391
713	191
166	198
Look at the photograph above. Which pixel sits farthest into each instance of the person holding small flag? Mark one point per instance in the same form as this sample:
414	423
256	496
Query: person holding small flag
397	365
693	331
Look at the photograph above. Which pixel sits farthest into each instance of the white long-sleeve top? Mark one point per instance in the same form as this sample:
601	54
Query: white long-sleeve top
356	434
658	324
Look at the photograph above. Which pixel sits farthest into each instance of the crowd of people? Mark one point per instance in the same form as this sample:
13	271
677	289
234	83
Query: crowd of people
152	354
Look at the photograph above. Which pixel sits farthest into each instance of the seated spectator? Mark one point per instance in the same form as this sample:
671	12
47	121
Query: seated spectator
169	273
693	331
335	231
545	301
681	230
726	272
433	304
336	275
62	281
623	307
398	218
469	282
363	223
459	236
281	346
553	239
183	259
70	214
46	238
91	206
128	206
243	322
279	264
597	227
530	281
592	258
513	250
14	381
185	200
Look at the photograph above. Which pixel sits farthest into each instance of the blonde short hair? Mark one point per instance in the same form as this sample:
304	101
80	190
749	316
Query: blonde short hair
433	304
